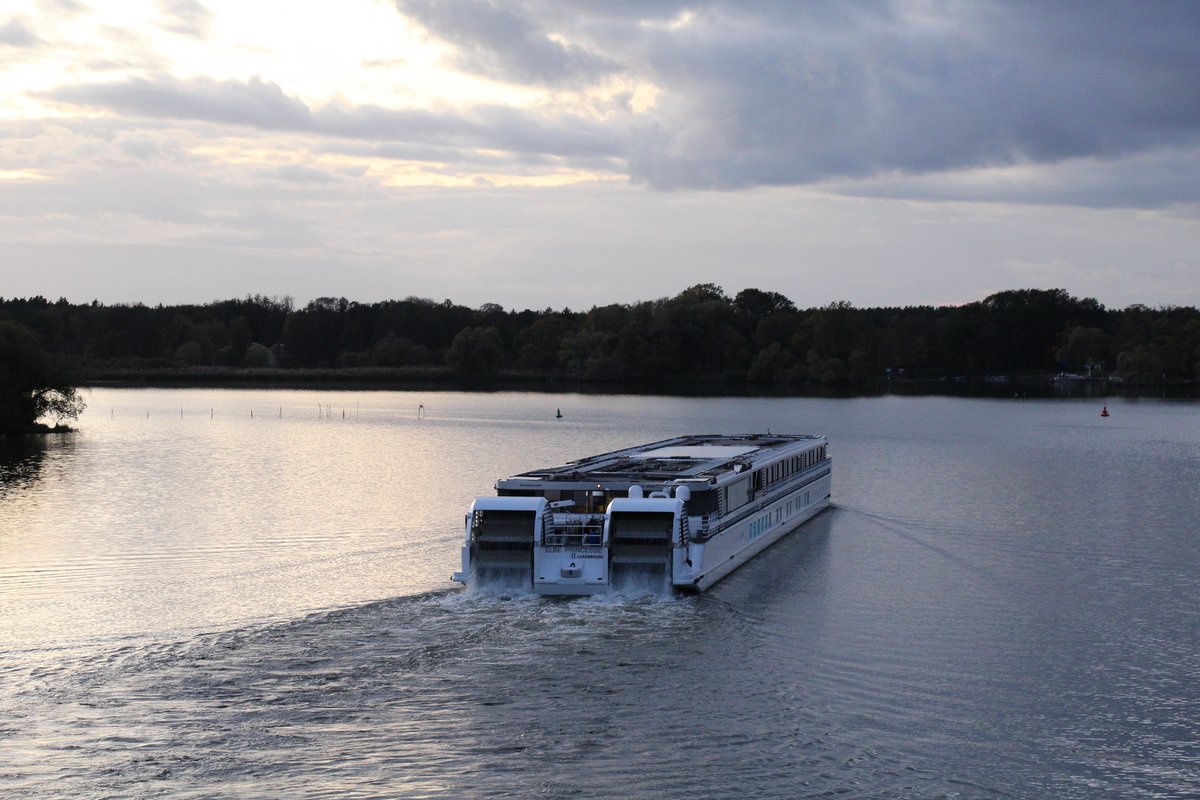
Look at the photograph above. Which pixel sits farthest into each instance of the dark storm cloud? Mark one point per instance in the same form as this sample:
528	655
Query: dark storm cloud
777	100
493	41
787	93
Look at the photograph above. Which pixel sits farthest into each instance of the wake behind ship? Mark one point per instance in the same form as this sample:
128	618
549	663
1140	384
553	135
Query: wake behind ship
685	512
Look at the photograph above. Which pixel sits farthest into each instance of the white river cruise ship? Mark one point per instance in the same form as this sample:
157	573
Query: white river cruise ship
683	512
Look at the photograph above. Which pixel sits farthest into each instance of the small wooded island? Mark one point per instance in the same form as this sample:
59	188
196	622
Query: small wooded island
33	386
701	336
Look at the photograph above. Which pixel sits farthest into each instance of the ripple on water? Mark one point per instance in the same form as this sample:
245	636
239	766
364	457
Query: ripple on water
443	694
1003	602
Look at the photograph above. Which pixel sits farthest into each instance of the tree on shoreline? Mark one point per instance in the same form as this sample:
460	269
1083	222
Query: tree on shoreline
31	385
757	336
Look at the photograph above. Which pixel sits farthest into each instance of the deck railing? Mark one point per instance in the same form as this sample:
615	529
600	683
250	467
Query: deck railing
575	532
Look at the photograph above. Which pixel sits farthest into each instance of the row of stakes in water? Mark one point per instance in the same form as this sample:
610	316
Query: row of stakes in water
323	412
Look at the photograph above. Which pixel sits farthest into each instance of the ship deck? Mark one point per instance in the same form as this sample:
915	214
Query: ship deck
703	457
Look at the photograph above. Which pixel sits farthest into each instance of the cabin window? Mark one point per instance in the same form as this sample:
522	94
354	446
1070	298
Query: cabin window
737	494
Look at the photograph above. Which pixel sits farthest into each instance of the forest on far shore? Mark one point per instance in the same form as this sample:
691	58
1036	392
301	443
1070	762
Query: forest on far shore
702	334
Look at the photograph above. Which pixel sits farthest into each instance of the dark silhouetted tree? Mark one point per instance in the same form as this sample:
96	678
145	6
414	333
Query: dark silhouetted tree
476	352
758	303
31	385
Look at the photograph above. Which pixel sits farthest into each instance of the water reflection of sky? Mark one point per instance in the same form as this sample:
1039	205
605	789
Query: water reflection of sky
1001	600
183	508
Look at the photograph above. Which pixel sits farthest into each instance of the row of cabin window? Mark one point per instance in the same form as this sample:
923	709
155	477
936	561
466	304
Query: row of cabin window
737	494
779	471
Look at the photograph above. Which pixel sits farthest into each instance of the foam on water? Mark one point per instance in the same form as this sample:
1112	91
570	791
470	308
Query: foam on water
639	581
410	673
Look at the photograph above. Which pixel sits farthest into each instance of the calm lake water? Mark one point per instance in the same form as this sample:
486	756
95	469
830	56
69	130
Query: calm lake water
245	594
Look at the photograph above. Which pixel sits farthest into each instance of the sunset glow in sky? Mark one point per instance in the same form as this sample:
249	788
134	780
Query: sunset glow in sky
558	153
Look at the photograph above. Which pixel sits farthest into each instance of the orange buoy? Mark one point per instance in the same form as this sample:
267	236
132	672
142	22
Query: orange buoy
1104	411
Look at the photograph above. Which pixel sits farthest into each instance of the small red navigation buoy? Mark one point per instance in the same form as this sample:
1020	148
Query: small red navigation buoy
1104	411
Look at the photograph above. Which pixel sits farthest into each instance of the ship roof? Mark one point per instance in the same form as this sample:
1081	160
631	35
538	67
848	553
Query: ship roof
698	457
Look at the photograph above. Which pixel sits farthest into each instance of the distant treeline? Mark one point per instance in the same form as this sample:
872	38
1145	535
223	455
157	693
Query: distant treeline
701	334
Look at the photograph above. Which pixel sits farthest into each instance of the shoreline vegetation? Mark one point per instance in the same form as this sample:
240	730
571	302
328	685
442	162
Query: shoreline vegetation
1026	341
444	378
36	429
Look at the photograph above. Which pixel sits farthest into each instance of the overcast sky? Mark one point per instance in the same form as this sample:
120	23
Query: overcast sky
564	153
